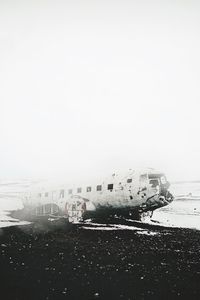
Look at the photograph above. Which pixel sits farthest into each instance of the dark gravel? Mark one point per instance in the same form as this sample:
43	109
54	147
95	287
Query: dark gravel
73	263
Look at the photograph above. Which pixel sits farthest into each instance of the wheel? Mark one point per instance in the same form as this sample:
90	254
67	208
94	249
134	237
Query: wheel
146	216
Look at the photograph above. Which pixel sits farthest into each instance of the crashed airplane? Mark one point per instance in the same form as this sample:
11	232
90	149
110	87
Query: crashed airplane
135	194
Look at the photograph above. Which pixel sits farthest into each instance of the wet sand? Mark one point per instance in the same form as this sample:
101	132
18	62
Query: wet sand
74	263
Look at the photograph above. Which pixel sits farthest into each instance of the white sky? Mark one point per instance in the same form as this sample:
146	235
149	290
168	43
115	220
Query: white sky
90	87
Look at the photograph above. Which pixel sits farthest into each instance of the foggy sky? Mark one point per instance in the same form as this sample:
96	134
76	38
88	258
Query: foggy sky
90	87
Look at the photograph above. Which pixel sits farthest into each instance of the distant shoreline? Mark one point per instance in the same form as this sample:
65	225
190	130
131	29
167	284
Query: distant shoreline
185	181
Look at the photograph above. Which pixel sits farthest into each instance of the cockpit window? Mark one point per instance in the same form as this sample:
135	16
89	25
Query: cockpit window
160	177
154	182
163	180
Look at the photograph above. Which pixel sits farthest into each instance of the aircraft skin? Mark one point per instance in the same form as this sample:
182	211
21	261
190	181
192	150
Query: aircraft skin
137	192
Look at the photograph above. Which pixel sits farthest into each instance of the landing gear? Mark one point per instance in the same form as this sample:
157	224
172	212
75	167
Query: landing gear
75	210
145	216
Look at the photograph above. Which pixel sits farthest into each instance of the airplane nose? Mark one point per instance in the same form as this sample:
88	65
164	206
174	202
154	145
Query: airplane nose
169	197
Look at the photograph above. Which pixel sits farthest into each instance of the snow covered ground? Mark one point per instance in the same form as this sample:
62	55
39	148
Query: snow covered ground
180	213
10	199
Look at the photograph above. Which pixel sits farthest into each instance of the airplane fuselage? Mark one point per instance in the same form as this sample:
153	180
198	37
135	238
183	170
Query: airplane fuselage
142	191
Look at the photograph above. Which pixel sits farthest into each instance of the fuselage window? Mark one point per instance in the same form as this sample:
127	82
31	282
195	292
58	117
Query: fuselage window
99	187
88	189
110	186
62	193
129	180
70	191
79	190
46	194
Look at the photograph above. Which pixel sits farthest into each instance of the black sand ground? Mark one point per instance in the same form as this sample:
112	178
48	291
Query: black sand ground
74	263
